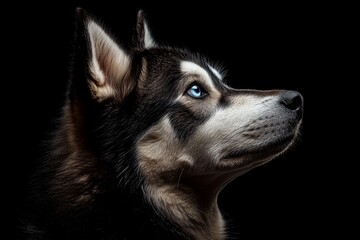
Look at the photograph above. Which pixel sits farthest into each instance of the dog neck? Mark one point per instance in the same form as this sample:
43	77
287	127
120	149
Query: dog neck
193	207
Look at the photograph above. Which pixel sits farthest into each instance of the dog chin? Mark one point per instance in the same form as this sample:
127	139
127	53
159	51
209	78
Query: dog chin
255	156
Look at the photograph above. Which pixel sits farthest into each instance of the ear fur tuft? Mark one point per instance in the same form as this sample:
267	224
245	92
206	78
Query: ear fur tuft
144	39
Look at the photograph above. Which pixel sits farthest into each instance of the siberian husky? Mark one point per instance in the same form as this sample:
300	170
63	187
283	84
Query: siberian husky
148	138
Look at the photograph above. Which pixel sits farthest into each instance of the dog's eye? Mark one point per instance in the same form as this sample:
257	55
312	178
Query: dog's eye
196	91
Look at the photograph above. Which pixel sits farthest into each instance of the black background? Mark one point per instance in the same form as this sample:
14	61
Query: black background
268	46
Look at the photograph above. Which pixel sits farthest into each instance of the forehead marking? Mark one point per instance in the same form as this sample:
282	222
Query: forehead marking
188	67
215	72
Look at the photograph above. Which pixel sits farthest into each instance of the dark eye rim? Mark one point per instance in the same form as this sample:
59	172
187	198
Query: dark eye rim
203	90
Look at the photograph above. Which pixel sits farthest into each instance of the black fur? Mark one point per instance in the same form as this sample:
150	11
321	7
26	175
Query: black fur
184	121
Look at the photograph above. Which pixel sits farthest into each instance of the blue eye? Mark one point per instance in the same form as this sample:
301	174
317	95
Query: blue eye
196	91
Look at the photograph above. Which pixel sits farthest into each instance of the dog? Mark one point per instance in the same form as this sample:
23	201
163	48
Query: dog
147	139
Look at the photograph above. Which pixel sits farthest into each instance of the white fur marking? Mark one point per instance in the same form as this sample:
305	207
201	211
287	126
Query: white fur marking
215	72
192	68
228	128
148	40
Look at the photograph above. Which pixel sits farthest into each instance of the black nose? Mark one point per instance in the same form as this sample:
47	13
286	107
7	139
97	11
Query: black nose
292	100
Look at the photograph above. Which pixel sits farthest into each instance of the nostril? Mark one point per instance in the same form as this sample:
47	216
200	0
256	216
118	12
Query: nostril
291	99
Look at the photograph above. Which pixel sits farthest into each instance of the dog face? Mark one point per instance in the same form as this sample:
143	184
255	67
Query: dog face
209	131
217	128
207	128
190	133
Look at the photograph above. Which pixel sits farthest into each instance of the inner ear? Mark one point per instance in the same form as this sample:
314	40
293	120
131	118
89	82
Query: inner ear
143	37
109	65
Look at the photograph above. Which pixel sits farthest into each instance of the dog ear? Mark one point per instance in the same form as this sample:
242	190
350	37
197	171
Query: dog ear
107	65
143	38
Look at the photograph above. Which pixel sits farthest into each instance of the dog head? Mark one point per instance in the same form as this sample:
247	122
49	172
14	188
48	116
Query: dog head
171	113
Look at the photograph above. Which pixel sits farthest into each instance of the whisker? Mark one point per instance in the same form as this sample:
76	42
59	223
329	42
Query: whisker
178	182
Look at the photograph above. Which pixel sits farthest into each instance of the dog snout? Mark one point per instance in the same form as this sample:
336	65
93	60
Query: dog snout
293	101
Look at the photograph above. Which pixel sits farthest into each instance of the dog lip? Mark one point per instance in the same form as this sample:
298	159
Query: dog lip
258	152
